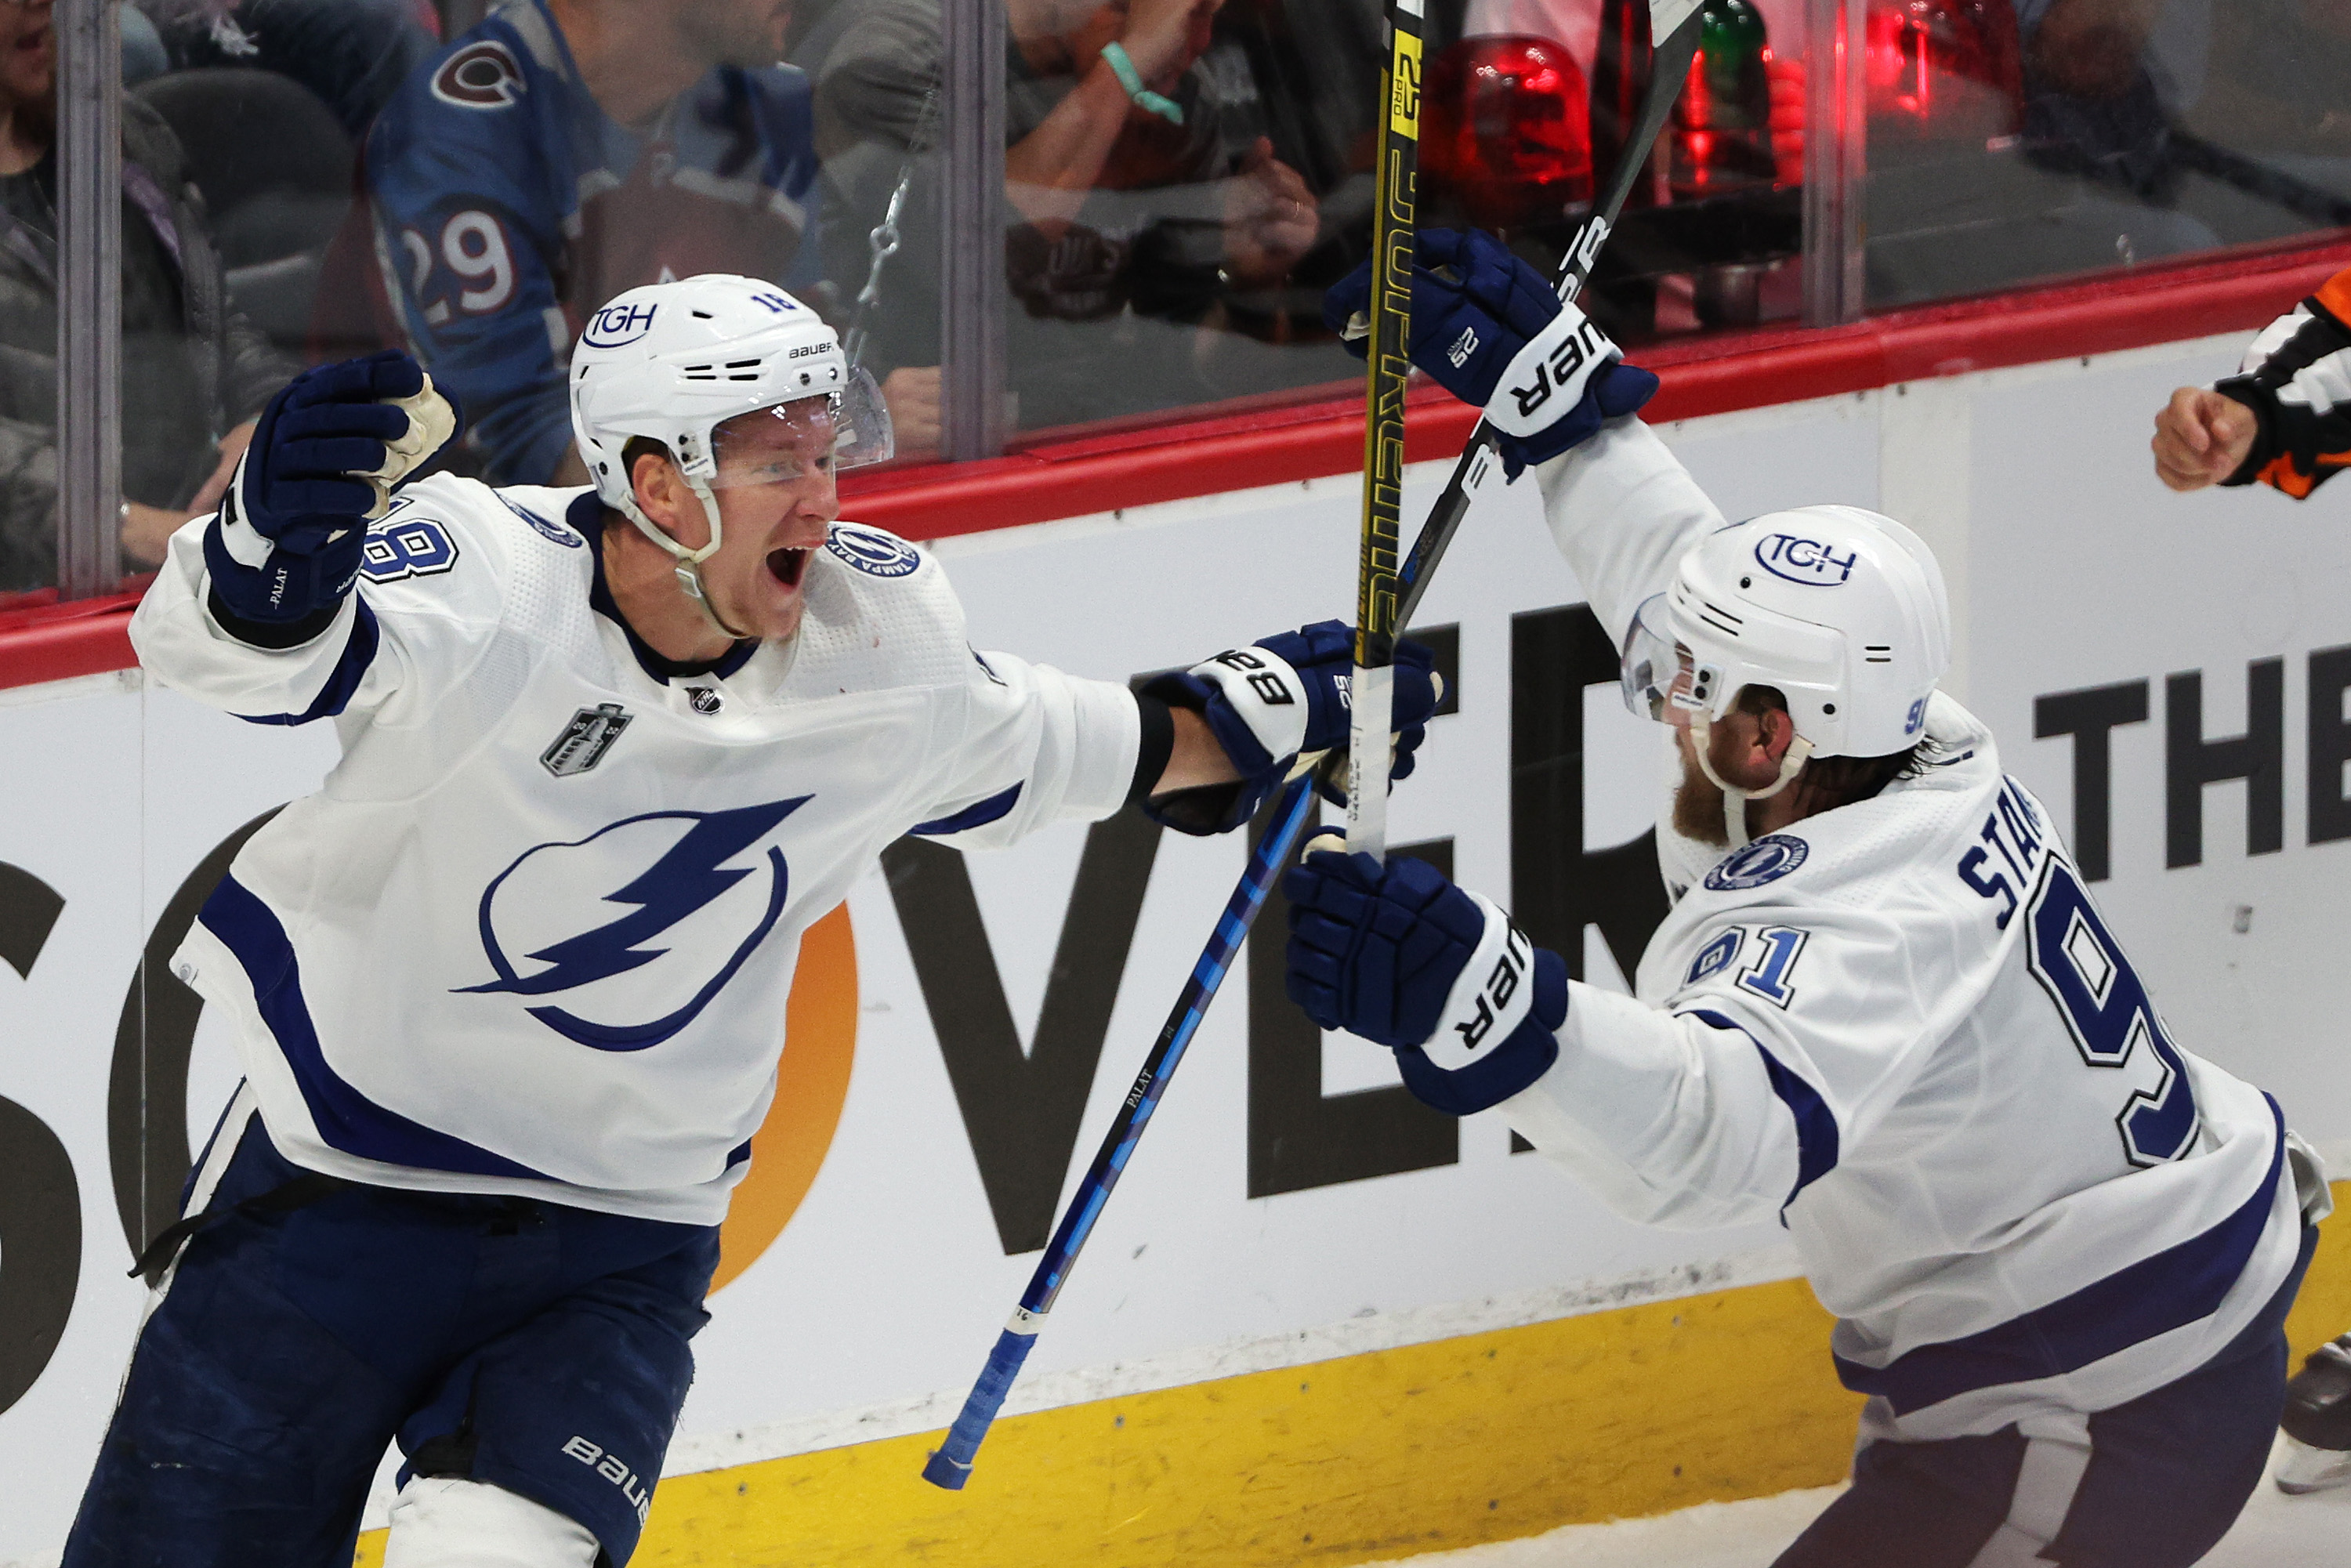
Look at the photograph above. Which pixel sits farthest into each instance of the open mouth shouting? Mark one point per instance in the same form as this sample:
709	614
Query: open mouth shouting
785	566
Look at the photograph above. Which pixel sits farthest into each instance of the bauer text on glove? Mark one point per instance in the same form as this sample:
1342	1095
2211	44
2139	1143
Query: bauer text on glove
1399	956
1277	698
1492	332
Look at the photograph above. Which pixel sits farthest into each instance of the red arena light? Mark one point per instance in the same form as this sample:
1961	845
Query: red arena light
1943	70
1721	137
1505	129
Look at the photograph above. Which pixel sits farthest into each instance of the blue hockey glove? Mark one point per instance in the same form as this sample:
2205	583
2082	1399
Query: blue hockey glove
1277	699
1490	330
1399	954
286	546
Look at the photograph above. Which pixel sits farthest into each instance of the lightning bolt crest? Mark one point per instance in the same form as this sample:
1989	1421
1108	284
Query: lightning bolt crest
684	881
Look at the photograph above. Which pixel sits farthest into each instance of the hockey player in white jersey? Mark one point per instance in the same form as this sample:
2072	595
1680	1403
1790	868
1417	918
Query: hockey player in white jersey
1883	1009
509	990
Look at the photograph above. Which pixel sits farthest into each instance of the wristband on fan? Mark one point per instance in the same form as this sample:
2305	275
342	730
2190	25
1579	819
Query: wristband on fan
1121	66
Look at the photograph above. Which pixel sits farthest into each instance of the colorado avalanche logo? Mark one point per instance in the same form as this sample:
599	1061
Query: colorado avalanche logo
1768	858
871	551
634	981
480	76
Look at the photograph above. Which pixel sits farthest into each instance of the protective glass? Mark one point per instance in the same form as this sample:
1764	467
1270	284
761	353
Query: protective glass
836	432
1659	677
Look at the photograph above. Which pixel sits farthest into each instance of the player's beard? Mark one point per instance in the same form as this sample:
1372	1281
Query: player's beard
1698	804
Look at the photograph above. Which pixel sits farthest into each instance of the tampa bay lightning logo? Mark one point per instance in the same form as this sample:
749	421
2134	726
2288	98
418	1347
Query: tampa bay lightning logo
1768	858
555	532
871	551
693	920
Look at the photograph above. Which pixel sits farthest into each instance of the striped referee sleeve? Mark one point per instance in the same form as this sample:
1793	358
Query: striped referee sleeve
2296	378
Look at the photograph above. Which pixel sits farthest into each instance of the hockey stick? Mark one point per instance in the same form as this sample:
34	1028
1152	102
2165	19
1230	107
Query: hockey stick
1678	23
1387	361
950	1465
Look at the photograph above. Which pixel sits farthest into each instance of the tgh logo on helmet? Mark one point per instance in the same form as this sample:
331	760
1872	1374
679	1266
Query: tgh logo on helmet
1798	559
617	324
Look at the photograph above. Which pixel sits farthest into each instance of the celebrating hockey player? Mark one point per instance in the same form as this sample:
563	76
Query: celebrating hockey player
1883	1009
509	990
2283	419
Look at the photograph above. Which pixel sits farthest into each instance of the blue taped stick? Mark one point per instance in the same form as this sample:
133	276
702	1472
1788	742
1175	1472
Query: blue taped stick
950	1465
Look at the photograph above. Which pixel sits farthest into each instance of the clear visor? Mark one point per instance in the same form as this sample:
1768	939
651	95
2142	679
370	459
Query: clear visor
828	434
1659	675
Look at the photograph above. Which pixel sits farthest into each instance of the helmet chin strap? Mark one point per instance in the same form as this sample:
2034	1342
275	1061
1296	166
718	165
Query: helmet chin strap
689	563
1734	799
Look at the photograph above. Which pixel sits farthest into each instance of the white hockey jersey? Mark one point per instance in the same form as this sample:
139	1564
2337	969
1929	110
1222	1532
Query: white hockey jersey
1903	1027
534	934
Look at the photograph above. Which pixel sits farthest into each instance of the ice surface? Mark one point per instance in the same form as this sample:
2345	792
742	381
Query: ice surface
2274	1531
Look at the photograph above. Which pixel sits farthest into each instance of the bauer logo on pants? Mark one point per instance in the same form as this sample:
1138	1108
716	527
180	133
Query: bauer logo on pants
609	1465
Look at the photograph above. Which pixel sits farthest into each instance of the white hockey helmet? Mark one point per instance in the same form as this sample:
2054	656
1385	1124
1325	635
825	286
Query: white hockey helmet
673	361
1840	611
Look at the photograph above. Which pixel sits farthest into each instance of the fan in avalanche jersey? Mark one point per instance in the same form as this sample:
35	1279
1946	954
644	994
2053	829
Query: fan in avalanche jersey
564	151
2061	1248
509	990
2285	418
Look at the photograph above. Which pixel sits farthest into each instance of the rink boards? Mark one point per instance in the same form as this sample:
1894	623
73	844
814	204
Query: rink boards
1317	1323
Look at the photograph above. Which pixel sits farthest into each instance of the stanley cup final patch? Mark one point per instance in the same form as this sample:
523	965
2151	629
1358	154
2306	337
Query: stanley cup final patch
584	741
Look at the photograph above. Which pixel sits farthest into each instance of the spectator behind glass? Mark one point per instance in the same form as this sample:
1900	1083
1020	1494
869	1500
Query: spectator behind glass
565	151
2282	85
143	55
2223	123
2104	82
353	54
1143	235
196	374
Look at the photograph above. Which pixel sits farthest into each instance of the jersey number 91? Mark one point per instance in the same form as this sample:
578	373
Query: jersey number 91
2108	1012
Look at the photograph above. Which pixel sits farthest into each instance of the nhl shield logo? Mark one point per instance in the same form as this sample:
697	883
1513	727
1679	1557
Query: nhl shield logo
703	699
584	741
